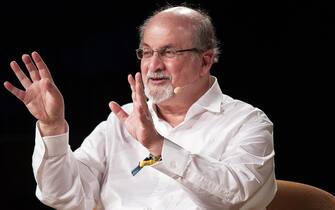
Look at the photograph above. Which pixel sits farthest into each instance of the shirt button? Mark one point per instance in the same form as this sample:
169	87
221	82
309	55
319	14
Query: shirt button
227	196
173	164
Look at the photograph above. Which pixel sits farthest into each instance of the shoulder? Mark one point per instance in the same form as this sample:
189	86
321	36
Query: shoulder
242	110
126	107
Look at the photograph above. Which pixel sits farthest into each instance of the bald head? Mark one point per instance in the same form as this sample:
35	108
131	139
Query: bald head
195	22
181	13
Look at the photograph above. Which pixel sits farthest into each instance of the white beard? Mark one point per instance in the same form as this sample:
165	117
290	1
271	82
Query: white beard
160	93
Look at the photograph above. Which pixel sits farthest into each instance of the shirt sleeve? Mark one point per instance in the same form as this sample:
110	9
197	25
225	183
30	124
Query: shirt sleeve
243	178
66	179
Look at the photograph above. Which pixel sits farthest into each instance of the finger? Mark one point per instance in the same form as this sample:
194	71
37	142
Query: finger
133	96
118	111
131	82
140	96
141	105
24	80
15	91
42	67
34	74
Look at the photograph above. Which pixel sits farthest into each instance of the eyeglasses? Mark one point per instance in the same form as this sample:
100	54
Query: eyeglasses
144	53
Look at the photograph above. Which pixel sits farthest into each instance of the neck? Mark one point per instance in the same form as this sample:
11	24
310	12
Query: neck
174	109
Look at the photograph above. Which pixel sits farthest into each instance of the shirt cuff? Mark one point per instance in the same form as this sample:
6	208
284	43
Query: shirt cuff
55	145
174	158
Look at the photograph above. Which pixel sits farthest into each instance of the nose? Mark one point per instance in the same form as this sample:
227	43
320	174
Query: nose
155	63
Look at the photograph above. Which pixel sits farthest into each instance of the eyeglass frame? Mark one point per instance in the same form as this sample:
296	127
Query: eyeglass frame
162	50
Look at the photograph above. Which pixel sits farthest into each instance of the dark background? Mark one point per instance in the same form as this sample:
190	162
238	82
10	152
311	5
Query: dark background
277	56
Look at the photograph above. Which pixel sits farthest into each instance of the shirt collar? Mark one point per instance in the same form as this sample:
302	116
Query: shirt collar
210	101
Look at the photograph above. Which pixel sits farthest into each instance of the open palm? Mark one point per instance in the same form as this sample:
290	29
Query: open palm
41	96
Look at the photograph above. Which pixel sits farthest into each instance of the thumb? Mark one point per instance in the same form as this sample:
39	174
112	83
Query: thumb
118	111
54	97
51	87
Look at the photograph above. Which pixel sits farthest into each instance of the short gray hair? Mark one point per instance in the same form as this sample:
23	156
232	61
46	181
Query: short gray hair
204	36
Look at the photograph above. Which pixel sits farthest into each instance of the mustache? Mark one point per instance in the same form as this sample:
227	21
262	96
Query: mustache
158	75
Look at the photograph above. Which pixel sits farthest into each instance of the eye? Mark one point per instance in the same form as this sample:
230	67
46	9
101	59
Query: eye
168	52
147	53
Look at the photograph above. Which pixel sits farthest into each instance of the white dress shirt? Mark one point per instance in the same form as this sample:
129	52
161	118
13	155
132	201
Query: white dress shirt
220	157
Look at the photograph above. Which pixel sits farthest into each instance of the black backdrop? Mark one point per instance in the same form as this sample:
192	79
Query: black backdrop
276	56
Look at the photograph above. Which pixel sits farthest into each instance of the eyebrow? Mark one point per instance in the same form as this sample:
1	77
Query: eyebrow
163	47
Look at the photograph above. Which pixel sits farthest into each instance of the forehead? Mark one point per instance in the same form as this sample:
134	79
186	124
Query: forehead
168	31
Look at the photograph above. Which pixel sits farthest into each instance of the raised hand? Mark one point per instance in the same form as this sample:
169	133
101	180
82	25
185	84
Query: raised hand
139	122
41	96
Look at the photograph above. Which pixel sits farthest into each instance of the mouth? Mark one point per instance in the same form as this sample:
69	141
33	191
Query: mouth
158	80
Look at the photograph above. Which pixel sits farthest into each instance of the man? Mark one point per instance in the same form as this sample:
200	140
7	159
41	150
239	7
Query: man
204	149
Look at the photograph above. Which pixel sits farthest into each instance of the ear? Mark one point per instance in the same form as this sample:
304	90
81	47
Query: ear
207	61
